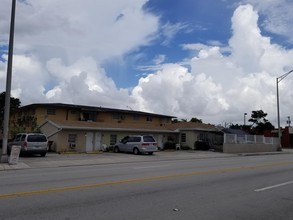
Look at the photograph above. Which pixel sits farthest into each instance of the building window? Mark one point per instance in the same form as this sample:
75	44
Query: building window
149	118
165	120
72	138
183	137
113	139
118	116
203	137
136	117
73	112
88	116
51	111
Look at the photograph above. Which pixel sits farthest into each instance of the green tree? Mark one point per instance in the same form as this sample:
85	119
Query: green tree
14	104
235	126
259	122
258	117
196	120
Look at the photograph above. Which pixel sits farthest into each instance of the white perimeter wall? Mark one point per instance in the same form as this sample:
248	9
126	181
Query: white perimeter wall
249	148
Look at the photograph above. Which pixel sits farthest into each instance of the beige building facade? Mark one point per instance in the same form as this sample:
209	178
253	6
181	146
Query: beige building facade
88	128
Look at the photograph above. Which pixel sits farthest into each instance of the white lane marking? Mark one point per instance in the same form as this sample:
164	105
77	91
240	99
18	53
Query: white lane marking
148	167
274	186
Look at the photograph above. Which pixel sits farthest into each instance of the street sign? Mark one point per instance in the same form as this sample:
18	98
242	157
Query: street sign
14	155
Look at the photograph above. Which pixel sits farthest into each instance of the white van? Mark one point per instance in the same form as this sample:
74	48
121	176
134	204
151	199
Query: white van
137	144
31	143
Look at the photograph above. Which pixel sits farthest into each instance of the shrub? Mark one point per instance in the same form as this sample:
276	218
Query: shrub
201	145
185	147
169	145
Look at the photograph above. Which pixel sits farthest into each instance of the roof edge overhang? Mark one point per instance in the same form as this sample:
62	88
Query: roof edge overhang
115	129
96	108
196	129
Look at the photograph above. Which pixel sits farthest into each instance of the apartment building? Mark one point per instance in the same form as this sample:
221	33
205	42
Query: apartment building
87	128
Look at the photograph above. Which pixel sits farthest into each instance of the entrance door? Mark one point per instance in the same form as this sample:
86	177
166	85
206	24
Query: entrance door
89	141
98	141
160	141
93	141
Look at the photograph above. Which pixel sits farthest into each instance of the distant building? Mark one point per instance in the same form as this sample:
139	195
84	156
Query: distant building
286	136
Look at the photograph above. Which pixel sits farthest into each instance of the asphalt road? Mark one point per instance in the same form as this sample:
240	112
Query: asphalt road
254	187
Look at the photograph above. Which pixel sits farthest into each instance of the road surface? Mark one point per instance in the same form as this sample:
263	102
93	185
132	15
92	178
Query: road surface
249	187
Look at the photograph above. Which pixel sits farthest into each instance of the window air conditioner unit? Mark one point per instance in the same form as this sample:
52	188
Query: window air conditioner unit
72	145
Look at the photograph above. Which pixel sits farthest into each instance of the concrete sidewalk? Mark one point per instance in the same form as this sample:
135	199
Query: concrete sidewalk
63	160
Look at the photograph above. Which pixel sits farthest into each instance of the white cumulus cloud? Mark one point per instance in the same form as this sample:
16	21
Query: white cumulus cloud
220	87
59	51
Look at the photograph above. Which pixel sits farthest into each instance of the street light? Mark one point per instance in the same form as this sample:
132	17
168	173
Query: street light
279	79
289	121
4	156
245	118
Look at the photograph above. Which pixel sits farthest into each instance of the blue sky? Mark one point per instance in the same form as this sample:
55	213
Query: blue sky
214	60
196	21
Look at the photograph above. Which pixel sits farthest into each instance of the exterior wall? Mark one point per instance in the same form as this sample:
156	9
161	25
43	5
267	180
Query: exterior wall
28	119
62	144
60	140
191	137
129	118
53	142
249	148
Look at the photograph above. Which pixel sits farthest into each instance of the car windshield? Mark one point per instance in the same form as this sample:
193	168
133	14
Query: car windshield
36	138
148	139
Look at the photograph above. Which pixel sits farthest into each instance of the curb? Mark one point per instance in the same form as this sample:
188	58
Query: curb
67	161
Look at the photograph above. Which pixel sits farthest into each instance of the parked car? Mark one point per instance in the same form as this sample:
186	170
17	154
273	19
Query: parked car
137	144
31	143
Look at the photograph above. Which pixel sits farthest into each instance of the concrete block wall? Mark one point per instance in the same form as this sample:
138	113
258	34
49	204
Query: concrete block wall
249	148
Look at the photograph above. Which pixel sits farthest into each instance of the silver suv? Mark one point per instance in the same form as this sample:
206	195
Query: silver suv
31	143
137	144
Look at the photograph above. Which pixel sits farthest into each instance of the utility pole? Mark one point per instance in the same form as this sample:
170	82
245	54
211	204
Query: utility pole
245	118
289	121
4	156
278	80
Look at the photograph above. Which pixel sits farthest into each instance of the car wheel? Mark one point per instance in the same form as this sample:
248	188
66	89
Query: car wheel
150	153
116	150
136	151
43	154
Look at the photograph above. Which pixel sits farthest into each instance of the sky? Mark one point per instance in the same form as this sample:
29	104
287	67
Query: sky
210	59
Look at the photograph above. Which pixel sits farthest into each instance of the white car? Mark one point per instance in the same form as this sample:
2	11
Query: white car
137	144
